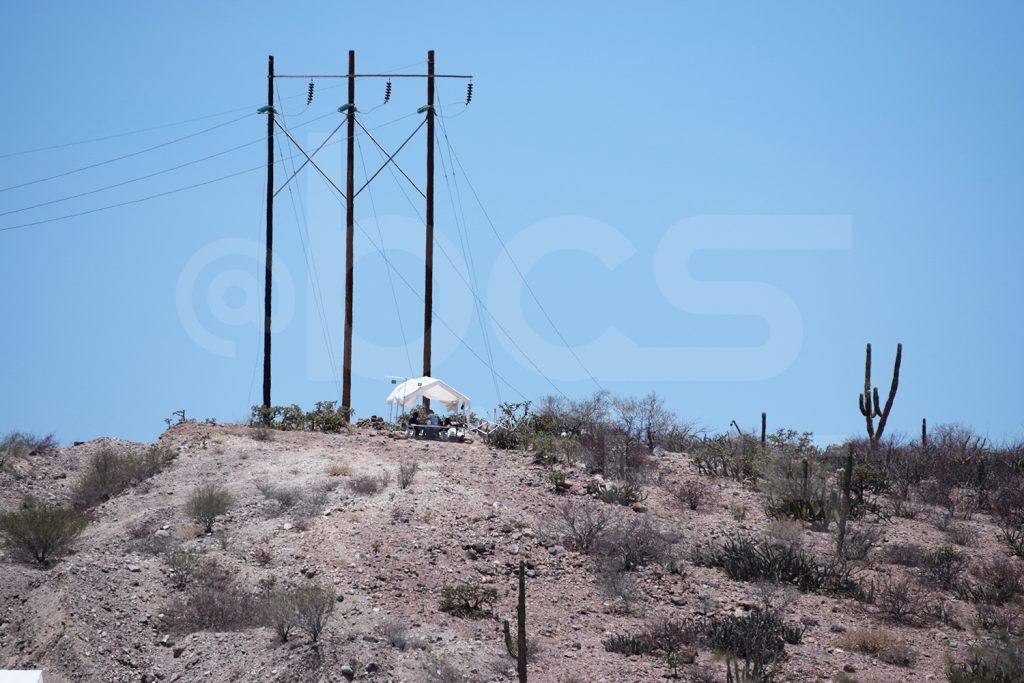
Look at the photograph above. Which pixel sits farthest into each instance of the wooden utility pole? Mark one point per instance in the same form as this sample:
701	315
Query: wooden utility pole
346	379
268	279
428	284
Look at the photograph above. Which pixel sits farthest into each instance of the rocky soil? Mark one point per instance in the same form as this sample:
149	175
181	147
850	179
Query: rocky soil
471	513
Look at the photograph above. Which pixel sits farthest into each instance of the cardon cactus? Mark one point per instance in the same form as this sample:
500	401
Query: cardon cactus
870	405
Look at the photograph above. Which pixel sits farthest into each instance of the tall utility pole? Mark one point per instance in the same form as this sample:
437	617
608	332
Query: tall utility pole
346	379
268	279
428	276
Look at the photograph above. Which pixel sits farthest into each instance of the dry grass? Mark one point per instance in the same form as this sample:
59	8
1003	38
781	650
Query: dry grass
338	469
881	644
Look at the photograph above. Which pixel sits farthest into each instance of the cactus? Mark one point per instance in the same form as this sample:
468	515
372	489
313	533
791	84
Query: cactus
518	650
764	429
870	405
924	432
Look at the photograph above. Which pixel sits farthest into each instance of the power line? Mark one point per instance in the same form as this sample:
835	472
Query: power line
515	265
137	131
387	261
123	156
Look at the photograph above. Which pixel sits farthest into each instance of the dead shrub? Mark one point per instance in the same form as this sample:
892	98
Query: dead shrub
633	542
581	524
858	543
467	599
338	469
880	644
396	632
692	493
16	445
905	554
998	581
261	433
368	485
961	534
313	606
901	600
406	472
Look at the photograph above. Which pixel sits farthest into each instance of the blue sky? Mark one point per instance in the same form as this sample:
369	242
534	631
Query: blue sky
719	202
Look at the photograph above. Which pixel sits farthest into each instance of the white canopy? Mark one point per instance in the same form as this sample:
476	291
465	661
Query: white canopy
410	391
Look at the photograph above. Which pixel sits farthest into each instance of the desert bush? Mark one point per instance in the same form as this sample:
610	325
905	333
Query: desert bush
40	533
858	543
181	566
961	534
559	481
212	602
262	433
622	493
207	503
880	644
326	416
786	532
665	636
437	669
999	662
279	611
692	493
367	485
17	445
944	567
109	473
628	644
806	495
467	599
633	542
725	455
612	454
581	524
396	632
744	559
905	554
407	472
338	469
997	581
284	496
313	606
901	600
513	426
758	640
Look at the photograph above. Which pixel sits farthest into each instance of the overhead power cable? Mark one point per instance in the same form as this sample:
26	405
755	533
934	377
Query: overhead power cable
398	273
123	156
137	131
515	265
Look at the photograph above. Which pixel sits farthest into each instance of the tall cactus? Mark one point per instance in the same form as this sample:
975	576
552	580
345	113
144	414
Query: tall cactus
870	406
844	511
519	649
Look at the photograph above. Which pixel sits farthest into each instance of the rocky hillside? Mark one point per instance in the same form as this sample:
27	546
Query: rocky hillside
145	594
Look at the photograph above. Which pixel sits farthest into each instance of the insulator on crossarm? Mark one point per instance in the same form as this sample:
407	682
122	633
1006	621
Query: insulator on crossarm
387	92
309	97
469	93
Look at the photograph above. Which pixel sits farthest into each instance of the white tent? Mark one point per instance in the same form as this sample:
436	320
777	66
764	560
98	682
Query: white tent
410	391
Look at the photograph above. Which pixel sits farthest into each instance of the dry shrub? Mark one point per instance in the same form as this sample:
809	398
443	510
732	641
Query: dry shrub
961	534
944	567
367	485
313	606
581	524
905	554
406	472
16	445
880	644
467	599
338	469
261	433
901	600
858	543
109	473
181	566
212	602
786	532
39	533
633	542
692	493
998	581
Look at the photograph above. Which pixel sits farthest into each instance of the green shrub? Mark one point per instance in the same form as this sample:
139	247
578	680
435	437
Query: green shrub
467	599
744	559
16	445
207	503
944	567
326	416
39	533
628	644
758	640
665	636
631	543
619	494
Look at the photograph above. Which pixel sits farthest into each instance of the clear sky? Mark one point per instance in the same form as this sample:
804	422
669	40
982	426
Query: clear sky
719	202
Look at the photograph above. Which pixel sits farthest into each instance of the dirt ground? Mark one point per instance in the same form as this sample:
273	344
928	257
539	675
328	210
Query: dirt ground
470	514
